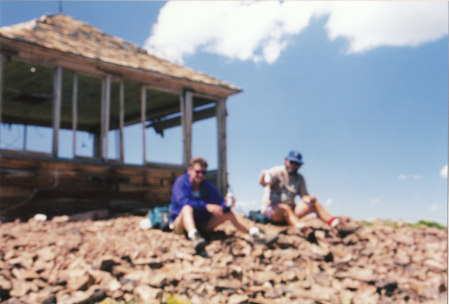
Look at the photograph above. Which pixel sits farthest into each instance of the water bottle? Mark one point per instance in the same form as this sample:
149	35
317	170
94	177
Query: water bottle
230	199
267	177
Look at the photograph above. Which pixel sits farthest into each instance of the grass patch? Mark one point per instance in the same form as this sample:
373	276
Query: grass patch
173	299
428	224
368	224
390	223
395	225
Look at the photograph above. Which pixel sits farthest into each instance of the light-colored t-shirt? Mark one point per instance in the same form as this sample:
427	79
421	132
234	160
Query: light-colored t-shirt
284	187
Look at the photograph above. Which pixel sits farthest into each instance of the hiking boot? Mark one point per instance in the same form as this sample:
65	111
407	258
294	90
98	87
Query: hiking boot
258	238
198	243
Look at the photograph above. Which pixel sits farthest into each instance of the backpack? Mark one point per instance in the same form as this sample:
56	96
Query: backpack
258	217
160	217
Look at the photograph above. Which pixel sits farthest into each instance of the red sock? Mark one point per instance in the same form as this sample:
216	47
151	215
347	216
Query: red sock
329	222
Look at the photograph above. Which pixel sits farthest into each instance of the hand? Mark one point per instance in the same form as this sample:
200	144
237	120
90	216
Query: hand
309	199
214	209
267	177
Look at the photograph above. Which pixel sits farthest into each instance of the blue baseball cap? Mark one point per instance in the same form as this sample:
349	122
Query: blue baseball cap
295	156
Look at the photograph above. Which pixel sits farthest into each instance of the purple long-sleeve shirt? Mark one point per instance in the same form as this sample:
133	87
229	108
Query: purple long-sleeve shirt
182	194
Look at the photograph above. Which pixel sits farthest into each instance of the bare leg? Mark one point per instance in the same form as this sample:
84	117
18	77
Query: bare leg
230	216
187	221
283	212
303	209
322	213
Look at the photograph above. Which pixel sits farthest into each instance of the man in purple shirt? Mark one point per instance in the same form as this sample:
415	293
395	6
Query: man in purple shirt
197	204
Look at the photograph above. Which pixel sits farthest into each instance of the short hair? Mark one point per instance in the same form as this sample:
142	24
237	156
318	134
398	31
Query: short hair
198	160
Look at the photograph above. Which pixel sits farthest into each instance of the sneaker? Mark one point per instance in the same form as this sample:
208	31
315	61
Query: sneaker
258	238
334	222
261	238
198	243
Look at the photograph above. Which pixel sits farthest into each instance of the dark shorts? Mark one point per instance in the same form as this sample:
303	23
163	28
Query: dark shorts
177	228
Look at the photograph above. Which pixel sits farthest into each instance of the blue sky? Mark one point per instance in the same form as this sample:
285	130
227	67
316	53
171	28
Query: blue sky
359	88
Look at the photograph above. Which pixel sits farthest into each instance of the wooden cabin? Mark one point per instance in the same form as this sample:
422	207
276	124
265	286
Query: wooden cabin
91	97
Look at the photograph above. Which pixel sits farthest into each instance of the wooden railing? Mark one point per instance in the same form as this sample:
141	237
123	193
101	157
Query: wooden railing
39	184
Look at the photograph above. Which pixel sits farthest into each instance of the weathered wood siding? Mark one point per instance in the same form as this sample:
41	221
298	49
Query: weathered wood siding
51	186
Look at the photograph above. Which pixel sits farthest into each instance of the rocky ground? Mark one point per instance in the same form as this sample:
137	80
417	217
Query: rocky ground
113	260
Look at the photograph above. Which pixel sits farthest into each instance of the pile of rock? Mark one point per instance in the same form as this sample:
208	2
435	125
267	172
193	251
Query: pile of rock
88	261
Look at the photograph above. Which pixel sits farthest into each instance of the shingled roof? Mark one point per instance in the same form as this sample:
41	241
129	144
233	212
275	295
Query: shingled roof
73	37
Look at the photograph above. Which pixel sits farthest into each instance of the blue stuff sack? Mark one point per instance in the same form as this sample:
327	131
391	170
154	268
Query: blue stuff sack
258	217
160	217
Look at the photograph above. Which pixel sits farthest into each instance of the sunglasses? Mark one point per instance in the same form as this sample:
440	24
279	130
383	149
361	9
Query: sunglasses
295	163
203	172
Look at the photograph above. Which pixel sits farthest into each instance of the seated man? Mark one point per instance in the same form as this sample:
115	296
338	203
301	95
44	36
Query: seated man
282	184
197	204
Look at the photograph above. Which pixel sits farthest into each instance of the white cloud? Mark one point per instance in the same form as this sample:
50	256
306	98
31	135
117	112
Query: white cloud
368	25
261	30
241	30
410	176
403	176
416	177
433	207
443	172
328	202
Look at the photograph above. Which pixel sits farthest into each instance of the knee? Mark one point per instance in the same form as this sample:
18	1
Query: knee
229	215
286	209
315	204
312	202
187	209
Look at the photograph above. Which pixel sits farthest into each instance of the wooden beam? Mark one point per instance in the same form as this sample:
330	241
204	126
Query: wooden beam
122	120
165	111
183	115
74	110
57	93
95	66
176	121
222	176
186	122
143	109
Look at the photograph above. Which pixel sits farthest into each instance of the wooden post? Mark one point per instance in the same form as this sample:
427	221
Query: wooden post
222	176
107	117
143	110
1	95
122	121
74	110
186	121
57	93
105	109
